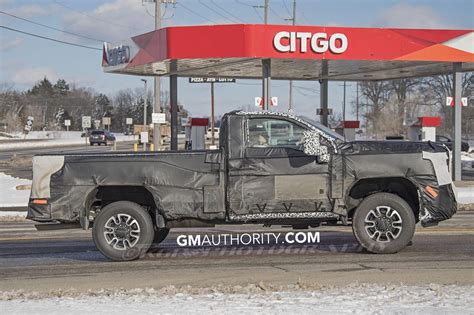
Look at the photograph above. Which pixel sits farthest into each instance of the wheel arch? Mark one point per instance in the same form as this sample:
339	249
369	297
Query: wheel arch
101	196
400	186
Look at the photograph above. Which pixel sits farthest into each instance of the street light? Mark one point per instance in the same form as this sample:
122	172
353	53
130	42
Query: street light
144	114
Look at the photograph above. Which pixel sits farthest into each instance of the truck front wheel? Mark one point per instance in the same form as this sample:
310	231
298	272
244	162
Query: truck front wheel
383	223
123	231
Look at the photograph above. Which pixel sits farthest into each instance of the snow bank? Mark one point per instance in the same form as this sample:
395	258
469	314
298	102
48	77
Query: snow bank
42	143
467	161
359	299
9	195
465	195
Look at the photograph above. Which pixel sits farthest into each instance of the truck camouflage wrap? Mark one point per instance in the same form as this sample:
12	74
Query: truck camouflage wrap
270	168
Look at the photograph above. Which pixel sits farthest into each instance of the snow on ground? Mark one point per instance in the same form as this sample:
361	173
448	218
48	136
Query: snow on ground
356	298
467	161
9	195
465	195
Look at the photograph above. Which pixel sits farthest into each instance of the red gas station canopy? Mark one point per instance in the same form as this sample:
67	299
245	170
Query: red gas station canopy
296	52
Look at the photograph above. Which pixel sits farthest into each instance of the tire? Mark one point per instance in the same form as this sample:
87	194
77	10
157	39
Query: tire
383	223
91	144
160	235
123	231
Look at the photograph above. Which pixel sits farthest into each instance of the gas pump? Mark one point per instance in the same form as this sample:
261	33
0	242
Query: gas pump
198	133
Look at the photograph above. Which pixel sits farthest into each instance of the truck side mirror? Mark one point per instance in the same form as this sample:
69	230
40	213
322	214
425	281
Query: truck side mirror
313	147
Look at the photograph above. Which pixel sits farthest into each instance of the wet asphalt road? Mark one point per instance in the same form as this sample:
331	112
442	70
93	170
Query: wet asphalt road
49	260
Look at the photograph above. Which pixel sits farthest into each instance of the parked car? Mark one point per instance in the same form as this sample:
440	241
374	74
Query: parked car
269	169
100	137
449	143
209	133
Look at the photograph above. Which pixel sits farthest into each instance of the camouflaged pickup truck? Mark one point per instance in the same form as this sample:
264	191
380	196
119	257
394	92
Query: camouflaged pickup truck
270	169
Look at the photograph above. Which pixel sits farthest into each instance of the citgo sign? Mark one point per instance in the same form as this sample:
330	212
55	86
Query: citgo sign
319	42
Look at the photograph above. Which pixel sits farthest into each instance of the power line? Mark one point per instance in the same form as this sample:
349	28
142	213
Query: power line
195	13
92	17
162	16
276	13
258	13
254	7
51	27
49	38
286	7
215	11
242	3
229	13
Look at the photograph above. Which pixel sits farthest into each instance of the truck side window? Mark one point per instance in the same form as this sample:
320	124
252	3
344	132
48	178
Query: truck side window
264	132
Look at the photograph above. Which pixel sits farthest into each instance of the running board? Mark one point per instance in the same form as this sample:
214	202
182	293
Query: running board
57	226
283	215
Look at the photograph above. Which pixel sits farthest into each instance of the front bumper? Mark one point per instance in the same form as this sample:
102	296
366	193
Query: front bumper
436	209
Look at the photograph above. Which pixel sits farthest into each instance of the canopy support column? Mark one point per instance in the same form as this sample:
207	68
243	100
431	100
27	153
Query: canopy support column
323	93
456	133
174	111
266	83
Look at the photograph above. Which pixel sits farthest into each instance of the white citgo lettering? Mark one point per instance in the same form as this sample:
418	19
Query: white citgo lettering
277	41
293	41
303	37
320	43
333	40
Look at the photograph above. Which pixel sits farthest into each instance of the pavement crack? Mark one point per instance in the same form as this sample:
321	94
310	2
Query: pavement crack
281	268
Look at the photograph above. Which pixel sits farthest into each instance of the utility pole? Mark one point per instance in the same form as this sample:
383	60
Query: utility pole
344	104
144	112
213	140
157	79
357	101
265	9
157	88
290	97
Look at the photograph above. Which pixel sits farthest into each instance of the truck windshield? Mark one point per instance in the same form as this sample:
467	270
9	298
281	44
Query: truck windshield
322	128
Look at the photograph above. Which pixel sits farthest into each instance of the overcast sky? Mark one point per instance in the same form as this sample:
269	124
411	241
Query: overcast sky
24	59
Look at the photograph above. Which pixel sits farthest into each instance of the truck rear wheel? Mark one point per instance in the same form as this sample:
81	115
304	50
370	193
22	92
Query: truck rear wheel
123	231
383	223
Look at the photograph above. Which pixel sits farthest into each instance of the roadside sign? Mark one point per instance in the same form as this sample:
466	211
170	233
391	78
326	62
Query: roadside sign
211	80
450	101
67	123
106	121
144	136
96	123
86	121
259	101
129	121
158	118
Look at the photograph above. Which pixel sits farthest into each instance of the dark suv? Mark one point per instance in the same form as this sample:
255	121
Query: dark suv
449	143
100	137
